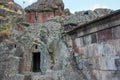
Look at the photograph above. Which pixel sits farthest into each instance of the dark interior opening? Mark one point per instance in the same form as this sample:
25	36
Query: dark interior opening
15	45
36	46
36	62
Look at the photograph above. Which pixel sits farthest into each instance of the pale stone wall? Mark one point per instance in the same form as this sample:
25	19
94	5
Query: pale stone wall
96	48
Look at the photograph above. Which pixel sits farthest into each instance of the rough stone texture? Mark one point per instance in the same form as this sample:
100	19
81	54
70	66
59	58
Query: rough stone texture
116	33
96	48
42	10
42	5
58	75
83	17
67	12
9	61
55	59
14	77
91	53
11	5
86	16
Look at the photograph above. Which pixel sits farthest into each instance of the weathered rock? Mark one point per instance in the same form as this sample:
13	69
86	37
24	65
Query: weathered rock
10	4
83	17
16	77
42	5
67	12
9	60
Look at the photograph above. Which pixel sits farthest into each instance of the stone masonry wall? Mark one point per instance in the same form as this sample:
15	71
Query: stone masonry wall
96	48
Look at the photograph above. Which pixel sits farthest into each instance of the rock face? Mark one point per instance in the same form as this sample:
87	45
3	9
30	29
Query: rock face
83	17
67	12
11	5
46	5
10	14
10	56
56	61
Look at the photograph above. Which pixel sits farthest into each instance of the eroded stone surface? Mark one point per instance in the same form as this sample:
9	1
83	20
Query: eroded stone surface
90	57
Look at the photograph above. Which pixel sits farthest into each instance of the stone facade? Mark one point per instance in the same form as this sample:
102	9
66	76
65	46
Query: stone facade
40	17
95	45
43	10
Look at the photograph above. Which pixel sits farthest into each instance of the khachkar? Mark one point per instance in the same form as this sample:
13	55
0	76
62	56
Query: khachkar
41	10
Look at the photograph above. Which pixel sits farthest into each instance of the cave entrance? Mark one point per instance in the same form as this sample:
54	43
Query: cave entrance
36	62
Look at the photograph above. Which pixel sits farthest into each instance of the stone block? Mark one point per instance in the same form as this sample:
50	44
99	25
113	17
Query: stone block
117	63
106	49
116	32
107	55
76	50
107	75
95	63
117	47
81	51
94	38
87	40
107	63
91	50
77	41
17	77
105	35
